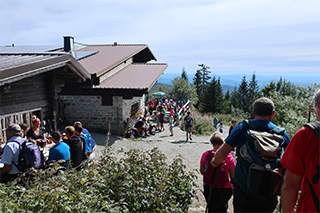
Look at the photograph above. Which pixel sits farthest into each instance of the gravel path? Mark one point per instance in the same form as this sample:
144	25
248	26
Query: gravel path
171	146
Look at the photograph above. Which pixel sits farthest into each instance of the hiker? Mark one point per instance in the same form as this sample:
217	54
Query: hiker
233	125
161	118
218	196
10	156
188	126
245	201
85	137
24	129
60	151
77	148
220	127
171	125
215	122
302	161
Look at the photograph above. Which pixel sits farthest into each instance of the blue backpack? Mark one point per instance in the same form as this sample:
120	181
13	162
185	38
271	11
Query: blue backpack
89	142
258	171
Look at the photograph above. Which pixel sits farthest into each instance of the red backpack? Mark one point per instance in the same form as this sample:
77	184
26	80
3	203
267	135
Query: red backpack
222	177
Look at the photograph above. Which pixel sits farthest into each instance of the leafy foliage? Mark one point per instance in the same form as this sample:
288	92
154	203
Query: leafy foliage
137	182
183	90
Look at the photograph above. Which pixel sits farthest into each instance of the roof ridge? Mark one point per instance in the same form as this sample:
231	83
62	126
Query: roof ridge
34	53
117	45
149	63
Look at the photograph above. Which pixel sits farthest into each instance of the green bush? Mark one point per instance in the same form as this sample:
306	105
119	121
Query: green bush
137	182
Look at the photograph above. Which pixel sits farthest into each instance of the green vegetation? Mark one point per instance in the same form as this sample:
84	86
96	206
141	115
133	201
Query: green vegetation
291	101
138	182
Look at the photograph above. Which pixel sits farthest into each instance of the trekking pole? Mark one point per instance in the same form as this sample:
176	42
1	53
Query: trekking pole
213	177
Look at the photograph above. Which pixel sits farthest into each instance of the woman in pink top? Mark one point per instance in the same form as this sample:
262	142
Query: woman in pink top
218	195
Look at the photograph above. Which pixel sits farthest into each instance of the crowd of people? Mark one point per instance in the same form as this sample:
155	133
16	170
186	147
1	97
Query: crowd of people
159	110
256	187
70	149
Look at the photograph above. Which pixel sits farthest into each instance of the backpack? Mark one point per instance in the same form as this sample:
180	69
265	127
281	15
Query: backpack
89	145
221	178
258	171
315	127
188	121
30	156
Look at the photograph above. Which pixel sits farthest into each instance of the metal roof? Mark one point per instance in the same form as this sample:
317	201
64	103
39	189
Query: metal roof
135	76
109	56
17	66
29	48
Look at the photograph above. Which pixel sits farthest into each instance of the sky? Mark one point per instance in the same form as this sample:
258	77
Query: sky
232	37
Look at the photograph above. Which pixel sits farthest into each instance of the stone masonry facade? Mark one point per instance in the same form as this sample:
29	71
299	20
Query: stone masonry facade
95	116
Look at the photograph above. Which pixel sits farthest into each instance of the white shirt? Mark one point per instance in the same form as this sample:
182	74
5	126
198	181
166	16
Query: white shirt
11	154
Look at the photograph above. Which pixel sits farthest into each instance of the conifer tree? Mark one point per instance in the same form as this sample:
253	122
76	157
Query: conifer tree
243	95
184	74
253	90
197	82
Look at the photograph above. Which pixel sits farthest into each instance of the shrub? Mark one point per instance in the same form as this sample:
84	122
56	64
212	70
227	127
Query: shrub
137	182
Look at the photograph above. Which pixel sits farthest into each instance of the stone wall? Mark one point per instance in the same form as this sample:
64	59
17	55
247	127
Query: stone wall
95	116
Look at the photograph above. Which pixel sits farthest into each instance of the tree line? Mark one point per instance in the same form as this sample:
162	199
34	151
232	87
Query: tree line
205	92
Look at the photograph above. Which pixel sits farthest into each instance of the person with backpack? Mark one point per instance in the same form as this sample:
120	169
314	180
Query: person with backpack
85	137
188	126
302	161
10	156
259	145
218	186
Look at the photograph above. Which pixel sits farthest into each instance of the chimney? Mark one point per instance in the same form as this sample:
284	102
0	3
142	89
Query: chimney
68	43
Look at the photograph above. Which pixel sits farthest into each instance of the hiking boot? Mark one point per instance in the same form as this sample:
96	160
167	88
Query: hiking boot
190	138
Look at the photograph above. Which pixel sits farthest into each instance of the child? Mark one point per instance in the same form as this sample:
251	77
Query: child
218	196
171	121
220	127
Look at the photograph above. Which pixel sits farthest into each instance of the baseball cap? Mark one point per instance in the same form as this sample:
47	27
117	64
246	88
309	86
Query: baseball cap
234	121
14	128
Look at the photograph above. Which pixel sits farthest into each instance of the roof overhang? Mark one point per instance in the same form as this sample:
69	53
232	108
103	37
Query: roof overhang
135	77
17	66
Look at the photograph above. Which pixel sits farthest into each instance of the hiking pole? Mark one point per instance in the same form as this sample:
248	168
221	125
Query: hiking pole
213	177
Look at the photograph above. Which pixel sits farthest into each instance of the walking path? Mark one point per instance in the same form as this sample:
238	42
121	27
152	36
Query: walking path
171	146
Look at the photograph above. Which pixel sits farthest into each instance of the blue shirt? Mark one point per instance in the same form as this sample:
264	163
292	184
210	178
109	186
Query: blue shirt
237	137
61	151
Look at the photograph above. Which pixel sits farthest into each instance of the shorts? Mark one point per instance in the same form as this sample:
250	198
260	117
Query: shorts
171	127
189	129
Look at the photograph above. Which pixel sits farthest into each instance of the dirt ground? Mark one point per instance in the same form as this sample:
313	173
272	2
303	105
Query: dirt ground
171	146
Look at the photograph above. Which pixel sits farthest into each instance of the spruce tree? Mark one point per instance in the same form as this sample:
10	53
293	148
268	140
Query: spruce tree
253	90
197	82
243	95
184	74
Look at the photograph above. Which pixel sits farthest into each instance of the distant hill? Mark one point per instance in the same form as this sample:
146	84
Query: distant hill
228	82
155	87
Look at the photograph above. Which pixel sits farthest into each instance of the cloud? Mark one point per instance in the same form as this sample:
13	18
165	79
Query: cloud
228	35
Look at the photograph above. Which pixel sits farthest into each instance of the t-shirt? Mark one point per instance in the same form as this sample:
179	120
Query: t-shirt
230	163
11	154
237	137
33	135
60	151
188	119
302	158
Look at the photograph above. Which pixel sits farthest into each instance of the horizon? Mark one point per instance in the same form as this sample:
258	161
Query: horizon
235	80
